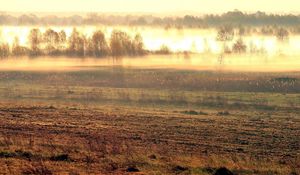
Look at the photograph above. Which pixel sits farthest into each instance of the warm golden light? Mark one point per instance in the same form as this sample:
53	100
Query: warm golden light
194	40
158	6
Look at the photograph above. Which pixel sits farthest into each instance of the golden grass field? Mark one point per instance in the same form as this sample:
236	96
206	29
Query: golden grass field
113	120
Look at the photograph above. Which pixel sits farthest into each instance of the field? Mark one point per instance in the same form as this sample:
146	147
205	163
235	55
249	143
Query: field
121	120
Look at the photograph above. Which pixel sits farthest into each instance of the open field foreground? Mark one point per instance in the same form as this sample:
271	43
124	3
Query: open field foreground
149	121
157	87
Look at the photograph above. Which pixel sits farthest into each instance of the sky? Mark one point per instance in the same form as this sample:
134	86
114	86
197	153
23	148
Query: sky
151	6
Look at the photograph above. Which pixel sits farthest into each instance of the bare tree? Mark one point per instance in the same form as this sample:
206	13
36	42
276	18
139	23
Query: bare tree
76	44
35	39
99	44
62	40
225	33
138	44
62	36
239	46
51	38
282	34
4	50
17	49
120	44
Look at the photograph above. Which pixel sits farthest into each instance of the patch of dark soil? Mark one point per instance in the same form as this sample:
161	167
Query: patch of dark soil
223	171
132	169
61	157
179	169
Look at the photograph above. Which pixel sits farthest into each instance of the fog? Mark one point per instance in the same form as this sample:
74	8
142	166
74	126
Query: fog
194	40
199	62
205	51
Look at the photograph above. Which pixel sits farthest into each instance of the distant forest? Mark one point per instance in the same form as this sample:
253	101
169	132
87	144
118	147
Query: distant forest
235	18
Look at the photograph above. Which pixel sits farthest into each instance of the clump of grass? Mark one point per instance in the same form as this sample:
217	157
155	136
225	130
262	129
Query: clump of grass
7	154
61	157
109	165
205	170
37	169
16	154
284	80
24	154
192	112
223	113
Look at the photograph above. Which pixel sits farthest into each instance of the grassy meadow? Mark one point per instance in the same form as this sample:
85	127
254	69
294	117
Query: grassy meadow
122	120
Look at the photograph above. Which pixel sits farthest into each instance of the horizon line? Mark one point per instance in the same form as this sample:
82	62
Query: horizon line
166	13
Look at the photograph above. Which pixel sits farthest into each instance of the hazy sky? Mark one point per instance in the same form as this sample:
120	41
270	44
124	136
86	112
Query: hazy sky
158	6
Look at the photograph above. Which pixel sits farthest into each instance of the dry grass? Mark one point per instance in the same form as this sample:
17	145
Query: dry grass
37	139
112	121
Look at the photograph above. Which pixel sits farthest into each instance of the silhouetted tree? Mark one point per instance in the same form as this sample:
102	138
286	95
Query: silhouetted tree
138	44
239	46
76	44
99	44
62	36
35	39
4	50
51	39
120	44
164	50
225	33
282	34
18	50
62	41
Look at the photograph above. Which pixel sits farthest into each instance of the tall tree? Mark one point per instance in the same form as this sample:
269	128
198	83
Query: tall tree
17	49
282	34
99	44
4	50
35	39
62	40
225	34
138	44
76	44
239	46
51	38
120	44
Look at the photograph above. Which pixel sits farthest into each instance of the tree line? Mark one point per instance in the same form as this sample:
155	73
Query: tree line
227	34
53	43
235	18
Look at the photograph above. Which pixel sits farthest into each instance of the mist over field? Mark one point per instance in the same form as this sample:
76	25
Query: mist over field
187	48
145	90
193	62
